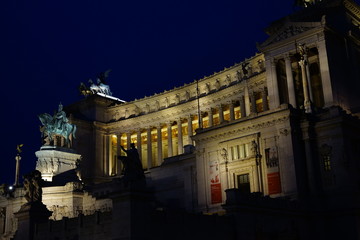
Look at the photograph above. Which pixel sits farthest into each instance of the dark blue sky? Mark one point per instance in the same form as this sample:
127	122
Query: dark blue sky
48	47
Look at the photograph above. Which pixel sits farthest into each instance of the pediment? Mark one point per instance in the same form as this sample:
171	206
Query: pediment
289	30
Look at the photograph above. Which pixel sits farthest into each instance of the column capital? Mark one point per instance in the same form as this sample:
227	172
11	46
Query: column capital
231	102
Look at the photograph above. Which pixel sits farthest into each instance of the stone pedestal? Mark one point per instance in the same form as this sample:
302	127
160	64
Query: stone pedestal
131	214
55	160
28	216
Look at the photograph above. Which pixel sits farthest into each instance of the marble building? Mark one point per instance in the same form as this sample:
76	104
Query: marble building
283	123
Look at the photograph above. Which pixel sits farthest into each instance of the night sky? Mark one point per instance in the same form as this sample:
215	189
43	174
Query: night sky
48	47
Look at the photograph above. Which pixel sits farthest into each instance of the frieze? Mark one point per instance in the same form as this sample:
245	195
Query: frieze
289	32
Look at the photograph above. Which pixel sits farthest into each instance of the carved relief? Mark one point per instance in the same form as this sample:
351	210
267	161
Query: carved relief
217	84
228	79
137	110
207	87
157	105
289	32
177	98
187	95
147	108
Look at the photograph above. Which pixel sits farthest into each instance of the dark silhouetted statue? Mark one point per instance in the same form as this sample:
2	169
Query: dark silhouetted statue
33	187
133	170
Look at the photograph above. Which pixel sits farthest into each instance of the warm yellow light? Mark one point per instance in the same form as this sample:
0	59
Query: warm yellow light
114	136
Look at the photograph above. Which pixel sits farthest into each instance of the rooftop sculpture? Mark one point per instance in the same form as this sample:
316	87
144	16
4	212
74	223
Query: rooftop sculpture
99	87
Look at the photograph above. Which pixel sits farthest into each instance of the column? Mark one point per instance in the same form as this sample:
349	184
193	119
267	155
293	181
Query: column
253	103
264	99
247	100
308	78
169	132
149	148
128	140
307	104
211	117
118	153
221	114
190	130
138	140
17	169
107	155
180	137
159	145
242	106
271	79
231	109
325	74
290	81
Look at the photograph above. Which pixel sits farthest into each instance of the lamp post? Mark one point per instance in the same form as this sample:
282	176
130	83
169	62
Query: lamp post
258	157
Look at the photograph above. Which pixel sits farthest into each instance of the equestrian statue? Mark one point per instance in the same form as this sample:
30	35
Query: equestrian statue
57	125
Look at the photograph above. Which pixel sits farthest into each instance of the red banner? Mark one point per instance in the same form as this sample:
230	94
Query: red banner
274	183
216	193
215	185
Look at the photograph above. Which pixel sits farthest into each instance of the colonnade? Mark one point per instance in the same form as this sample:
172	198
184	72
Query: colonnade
319	58
167	139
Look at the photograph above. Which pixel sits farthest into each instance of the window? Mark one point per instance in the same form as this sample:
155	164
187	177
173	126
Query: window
243	183
239	151
325	153
326	161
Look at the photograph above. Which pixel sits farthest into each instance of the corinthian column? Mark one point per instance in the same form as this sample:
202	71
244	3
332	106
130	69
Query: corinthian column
290	81
307	104
169	132
247	101
159	145
211	117
190	130
242	106
180	137
149	148
221	114
272	84
253	102
138	140
231	109
325	73
264	99
128	140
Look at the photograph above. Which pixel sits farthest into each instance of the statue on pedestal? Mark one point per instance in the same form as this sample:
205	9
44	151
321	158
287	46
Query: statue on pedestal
56	125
